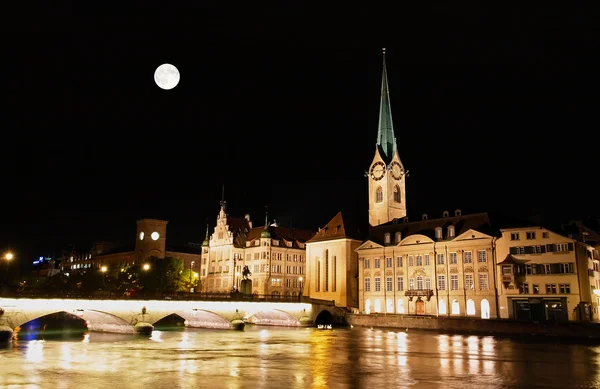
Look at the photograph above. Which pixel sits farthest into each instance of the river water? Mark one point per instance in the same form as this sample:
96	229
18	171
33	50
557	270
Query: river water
285	358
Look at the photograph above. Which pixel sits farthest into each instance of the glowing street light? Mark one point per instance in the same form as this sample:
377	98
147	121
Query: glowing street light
8	256
146	266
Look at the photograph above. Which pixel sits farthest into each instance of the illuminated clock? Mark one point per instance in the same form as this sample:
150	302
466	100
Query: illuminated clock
155	235
142	235
396	170
377	171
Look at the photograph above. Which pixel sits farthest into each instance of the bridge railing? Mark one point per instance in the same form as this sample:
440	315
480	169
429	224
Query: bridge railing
177	296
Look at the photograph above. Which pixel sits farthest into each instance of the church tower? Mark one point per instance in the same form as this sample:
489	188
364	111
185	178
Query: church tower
386	175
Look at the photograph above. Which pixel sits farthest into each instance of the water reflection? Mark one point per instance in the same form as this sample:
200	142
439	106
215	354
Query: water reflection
298	359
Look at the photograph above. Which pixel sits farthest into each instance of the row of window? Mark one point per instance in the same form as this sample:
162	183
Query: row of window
264	268
379	194
425	260
275	282
262	255
536	268
541	249
529	235
550	288
424	283
442	309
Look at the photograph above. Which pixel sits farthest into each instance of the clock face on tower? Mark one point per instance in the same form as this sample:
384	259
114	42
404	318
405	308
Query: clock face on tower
377	171
396	170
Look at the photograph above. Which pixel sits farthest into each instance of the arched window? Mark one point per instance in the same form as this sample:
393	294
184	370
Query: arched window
379	195
400	305
485	309
377	306
368	307
455	307
389	306
470	307
397	194
442	307
419	282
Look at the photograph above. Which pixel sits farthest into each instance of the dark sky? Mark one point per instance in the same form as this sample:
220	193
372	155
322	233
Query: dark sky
490	112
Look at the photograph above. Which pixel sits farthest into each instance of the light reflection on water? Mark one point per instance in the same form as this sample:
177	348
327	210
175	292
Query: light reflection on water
297	358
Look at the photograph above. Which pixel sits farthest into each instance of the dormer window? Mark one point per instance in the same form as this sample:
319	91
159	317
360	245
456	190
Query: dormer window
445	214
289	244
424	217
257	242
386	238
457	212
247	244
450	231
398	237
438	232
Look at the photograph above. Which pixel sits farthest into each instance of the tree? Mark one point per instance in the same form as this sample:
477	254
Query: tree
164	275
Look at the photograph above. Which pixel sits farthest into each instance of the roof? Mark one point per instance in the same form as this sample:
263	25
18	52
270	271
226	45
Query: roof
510	260
242	232
340	227
478	221
386	140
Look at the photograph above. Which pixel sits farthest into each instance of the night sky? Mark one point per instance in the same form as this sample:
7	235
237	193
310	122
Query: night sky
489	114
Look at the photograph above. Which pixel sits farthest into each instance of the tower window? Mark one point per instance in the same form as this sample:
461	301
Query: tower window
396	194
379	195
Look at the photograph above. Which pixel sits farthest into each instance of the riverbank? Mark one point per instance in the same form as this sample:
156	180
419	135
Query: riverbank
465	325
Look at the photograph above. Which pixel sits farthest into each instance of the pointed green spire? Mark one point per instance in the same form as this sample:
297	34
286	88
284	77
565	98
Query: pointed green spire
386	141
266	233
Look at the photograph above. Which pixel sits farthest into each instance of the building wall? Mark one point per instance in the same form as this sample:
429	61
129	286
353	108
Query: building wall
337	282
554	273
407	260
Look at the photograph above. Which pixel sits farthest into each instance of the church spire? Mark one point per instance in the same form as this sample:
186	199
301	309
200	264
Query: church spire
386	141
266	233
223	202
206	240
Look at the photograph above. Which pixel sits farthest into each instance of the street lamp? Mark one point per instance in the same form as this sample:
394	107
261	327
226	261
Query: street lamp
103	269
8	257
146	267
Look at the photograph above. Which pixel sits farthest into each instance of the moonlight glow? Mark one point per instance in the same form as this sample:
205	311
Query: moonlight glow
166	76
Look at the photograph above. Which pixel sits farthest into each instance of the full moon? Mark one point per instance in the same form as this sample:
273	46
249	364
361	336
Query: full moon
166	76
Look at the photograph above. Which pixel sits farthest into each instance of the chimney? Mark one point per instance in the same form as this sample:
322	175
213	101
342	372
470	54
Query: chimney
247	217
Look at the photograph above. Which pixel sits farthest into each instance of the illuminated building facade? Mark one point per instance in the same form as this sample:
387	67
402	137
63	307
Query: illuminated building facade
274	255
477	265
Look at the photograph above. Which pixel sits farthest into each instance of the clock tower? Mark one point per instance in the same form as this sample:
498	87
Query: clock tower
386	175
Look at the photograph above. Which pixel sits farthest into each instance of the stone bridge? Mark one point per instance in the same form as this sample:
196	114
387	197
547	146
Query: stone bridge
121	316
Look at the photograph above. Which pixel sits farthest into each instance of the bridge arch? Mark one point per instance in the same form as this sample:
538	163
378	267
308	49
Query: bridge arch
274	317
201	318
51	324
324	318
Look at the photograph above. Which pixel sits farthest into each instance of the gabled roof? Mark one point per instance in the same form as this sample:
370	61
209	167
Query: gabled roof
340	227
478	221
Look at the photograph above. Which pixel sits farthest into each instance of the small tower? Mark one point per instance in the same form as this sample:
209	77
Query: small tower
151	239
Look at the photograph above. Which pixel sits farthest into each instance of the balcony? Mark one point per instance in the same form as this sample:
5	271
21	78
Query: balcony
427	293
